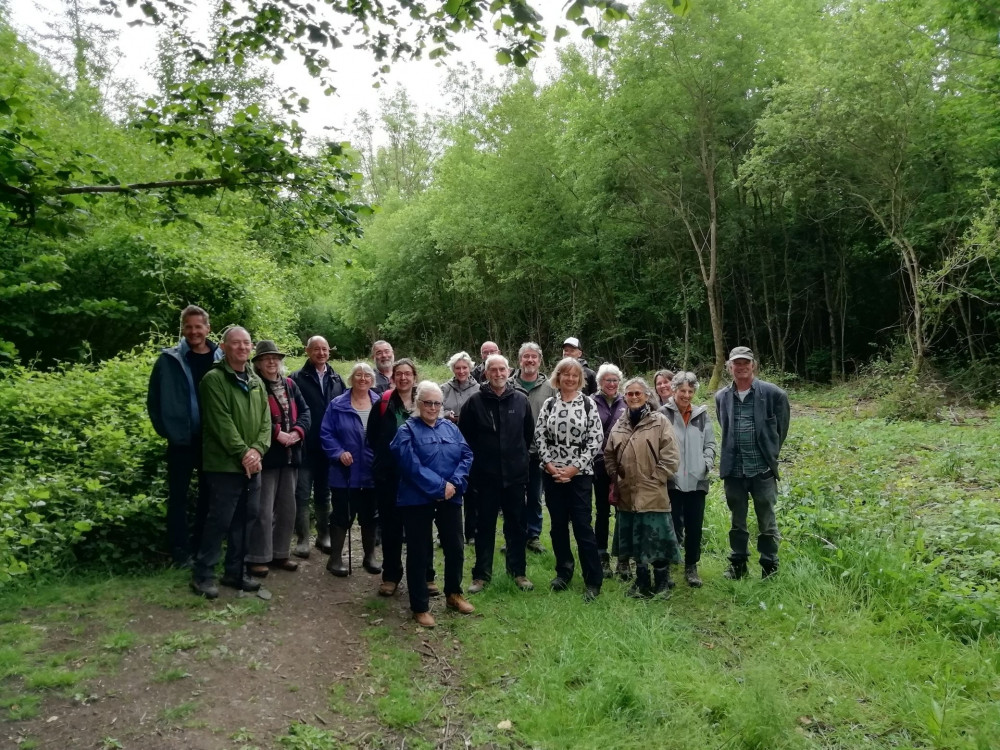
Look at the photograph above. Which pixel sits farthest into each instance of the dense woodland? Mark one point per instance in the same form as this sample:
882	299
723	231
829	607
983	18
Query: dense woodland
817	180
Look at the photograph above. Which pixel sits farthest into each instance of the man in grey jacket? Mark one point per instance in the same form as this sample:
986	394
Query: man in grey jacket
754	416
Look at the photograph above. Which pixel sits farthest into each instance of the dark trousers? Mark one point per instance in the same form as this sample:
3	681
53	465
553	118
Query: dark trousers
348	504
763	488
688	512
569	503
182	462
233	507
418	521
492	499
470	507
313	482
533	500
602	509
392	529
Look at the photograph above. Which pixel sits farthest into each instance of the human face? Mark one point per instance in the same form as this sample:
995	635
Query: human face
497	373
663	388
383	357
609	385
237	347
402	378
195	330
430	406
635	396
269	366
362	381
319	353
461	370
742	370
569	380
530	362
487	349
682	397
572	351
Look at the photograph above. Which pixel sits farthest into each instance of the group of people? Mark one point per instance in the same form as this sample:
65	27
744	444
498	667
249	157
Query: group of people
402	455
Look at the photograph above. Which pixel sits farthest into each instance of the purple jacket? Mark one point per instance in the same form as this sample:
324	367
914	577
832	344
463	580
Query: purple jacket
609	416
342	431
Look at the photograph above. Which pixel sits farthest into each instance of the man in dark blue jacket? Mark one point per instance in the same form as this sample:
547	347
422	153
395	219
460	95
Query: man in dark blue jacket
175	411
497	424
319	384
754	417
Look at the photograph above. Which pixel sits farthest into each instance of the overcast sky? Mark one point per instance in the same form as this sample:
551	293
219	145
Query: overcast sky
422	79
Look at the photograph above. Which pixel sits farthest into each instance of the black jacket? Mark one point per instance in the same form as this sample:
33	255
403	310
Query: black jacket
381	430
308	382
499	429
589	377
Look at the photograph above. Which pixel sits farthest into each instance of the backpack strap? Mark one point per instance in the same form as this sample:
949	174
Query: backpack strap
383	403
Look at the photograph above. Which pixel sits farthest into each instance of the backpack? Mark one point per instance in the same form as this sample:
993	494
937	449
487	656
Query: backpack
588	407
383	403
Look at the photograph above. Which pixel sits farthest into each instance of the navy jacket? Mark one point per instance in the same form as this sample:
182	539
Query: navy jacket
771	417
499	429
172	400
427	458
307	380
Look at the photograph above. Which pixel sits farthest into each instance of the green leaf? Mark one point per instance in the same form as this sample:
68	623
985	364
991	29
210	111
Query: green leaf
560	33
503	57
575	11
82	526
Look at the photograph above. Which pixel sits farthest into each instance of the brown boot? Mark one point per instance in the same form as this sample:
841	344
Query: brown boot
424	619
458	603
388	588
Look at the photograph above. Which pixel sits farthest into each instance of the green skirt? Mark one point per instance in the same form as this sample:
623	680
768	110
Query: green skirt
645	537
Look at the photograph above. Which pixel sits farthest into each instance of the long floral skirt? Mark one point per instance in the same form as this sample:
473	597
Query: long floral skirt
645	537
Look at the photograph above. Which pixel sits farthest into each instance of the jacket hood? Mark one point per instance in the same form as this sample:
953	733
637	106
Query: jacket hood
182	347
469	383
696	409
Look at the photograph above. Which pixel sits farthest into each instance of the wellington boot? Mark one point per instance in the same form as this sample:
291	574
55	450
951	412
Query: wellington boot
661	582
323	529
368	545
335	564
301	548
736	570
641	589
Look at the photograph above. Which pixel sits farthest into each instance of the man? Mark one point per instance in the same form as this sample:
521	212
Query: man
529	378
319	384
496	422
237	434
383	357
479	371
571	348
174	409
754	418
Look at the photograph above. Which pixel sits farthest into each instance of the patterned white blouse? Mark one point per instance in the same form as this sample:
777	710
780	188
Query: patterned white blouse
569	433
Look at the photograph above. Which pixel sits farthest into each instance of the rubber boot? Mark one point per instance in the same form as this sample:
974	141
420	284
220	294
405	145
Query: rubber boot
661	581
323	530
641	588
368	545
737	569
336	562
605	563
768	569
301	548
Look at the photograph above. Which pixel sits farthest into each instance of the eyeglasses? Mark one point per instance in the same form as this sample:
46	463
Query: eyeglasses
433	404
634	394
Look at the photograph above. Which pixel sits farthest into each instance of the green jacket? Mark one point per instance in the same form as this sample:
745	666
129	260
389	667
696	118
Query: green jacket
235	418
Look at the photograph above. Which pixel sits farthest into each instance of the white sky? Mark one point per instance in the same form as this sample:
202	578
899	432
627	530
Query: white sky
421	79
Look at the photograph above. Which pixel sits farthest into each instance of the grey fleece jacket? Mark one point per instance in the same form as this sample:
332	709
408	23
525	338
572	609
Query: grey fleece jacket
696	441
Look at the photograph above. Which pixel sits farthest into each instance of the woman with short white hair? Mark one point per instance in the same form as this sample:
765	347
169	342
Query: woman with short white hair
610	406
460	387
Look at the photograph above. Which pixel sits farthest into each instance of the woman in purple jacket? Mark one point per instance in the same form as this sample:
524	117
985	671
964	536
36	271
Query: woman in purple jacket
342	436
433	461
610	406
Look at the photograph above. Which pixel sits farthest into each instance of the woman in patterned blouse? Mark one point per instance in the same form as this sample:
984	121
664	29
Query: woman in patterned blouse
568	434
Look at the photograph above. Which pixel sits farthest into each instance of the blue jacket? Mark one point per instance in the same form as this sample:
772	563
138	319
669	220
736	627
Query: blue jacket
342	431
770	421
427	458
172	399
610	414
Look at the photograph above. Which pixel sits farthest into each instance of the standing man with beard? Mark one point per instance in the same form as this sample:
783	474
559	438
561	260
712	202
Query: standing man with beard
319	384
479	371
497	424
383	357
571	348
530	378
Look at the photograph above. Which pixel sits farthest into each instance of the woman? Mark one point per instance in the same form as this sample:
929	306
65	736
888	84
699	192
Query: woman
610	406
641	457
271	532
460	388
689	486
394	407
568	435
342	436
434	461
661	382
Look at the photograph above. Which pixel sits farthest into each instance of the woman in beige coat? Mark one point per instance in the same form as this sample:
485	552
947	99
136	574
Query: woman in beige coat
642	455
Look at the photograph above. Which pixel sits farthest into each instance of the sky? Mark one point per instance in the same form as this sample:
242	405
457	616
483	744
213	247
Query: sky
421	79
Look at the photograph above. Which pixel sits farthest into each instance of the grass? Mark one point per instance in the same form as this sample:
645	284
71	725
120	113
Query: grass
178	713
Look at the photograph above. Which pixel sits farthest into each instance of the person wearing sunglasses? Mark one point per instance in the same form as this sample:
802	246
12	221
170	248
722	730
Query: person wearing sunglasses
433	460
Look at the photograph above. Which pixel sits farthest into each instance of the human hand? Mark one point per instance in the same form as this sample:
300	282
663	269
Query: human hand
285	438
251	462
449	490
346	458
568	472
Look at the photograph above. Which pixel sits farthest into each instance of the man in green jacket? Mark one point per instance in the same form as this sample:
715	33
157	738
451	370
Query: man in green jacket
236	434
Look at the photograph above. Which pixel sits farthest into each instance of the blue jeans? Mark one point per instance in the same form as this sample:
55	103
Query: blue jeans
232	509
763	488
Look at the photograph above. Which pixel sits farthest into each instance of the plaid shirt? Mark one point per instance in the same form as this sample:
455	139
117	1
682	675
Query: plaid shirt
749	460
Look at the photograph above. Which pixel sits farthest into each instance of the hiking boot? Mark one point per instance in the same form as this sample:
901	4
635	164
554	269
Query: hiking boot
424	619
624	569
691	576
641	588
661	582
535	546
388	588
207	588
558	584
457	602
766	571
523	583
432	589
335	564
244	584
605	564
591	593
477	585
736	570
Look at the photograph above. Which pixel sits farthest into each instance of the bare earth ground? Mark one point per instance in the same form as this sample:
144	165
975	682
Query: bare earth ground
237	673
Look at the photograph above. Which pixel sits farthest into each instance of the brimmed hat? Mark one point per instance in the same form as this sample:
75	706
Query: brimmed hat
572	341
266	347
740	352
